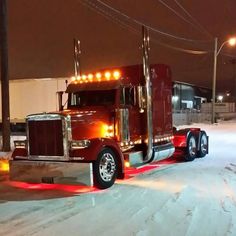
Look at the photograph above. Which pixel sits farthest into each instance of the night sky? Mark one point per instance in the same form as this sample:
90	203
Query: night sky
41	36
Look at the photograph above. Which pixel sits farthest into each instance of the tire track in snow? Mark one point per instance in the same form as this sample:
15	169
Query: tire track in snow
153	223
30	219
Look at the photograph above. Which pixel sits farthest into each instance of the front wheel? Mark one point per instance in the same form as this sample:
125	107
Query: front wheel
105	169
191	149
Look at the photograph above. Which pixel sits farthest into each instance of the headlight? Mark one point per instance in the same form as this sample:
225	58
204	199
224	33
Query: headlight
79	144
20	143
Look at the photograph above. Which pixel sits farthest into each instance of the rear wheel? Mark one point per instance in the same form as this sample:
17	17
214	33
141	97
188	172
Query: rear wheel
191	149
203	146
105	169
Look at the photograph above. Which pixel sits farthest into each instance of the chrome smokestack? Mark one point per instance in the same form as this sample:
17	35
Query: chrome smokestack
77	52
146	71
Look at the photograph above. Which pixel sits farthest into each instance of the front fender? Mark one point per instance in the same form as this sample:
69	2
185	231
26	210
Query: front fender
90	153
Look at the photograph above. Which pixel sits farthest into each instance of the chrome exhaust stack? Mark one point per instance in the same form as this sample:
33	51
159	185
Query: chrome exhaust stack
77	52
147	75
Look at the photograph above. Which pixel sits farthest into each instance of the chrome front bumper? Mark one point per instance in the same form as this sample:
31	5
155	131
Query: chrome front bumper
51	172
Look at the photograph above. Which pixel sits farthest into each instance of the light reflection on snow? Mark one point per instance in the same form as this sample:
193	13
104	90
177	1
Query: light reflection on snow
4	165
159	185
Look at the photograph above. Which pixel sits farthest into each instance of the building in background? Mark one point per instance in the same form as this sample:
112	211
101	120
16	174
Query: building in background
189	96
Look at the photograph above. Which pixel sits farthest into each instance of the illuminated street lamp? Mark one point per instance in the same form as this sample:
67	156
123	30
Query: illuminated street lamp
220	98
231	42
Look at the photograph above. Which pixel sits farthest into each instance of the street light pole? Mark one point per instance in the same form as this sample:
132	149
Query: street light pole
232	42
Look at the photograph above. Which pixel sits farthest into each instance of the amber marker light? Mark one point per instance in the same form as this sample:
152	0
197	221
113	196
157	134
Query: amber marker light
127	164
107	75
4	165
98	76
116	74
107	131
90	77
84	77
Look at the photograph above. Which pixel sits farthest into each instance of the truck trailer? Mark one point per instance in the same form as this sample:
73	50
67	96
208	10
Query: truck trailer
115	118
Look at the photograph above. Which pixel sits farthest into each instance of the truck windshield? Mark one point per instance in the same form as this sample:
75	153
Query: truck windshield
92	98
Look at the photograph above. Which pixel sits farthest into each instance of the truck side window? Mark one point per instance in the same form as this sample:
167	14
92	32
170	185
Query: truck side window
74	99
128	96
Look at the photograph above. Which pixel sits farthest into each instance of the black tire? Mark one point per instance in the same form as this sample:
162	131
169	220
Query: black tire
203	145
191	148
105	169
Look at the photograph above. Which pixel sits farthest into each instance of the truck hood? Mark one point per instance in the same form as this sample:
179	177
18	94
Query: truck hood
90	123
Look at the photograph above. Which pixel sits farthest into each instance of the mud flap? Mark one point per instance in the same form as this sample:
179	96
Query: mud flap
51	172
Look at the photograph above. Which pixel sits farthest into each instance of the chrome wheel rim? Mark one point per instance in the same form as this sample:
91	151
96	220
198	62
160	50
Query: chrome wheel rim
203	144
107	167
192	148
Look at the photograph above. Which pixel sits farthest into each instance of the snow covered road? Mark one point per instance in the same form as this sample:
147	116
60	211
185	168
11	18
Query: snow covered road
194	198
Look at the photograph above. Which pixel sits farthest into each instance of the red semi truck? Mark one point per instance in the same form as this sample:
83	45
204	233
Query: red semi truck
114	118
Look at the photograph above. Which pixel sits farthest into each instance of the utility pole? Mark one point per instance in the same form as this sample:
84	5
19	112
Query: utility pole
213	118
4	77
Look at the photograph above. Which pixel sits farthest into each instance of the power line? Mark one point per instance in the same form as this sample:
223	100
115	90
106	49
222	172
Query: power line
180	16
109	16
196	22
190	51
148	26
105	14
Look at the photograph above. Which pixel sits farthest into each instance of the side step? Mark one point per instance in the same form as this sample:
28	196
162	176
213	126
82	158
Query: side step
51	172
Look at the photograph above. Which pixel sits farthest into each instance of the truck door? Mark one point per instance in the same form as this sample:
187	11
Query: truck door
129	100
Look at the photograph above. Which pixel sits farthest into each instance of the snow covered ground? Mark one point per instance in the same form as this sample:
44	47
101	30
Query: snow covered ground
194	198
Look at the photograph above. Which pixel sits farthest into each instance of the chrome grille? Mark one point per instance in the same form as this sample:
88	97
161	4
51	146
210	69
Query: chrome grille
45	137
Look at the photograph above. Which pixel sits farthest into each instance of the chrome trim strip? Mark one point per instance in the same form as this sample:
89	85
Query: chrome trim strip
44	116
45	158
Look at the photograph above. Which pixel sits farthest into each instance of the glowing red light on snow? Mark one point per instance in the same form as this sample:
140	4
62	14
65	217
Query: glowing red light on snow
131	172
59	187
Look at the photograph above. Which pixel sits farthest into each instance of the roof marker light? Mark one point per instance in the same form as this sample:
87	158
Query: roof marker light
98	76
116	74
90	77
107	75
84	77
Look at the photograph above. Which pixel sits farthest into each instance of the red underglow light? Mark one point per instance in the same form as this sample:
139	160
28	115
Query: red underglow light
132	172
58	187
